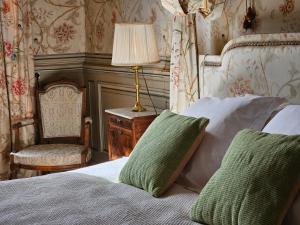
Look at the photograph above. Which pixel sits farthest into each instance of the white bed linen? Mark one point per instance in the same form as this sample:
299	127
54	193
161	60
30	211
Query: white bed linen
227	116
287	121
108	170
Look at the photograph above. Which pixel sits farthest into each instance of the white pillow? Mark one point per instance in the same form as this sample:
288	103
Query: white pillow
227	117
287	121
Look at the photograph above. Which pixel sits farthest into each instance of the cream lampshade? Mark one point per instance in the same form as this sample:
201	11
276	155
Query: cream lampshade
135	46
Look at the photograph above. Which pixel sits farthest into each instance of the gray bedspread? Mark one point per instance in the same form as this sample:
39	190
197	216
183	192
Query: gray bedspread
70	198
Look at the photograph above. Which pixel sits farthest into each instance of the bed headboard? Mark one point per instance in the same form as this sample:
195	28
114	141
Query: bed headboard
263	64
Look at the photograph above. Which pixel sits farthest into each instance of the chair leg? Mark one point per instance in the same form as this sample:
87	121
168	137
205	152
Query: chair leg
13	170
83	159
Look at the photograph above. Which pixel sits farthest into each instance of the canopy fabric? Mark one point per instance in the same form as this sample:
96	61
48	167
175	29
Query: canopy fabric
16	77
183	7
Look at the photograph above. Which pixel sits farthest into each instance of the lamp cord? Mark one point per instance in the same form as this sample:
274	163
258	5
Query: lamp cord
148	92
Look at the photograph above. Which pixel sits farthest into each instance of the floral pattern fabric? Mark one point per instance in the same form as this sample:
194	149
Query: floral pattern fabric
174	7
80	26
265	64
183	69
183	7
184	56
273	16
16	74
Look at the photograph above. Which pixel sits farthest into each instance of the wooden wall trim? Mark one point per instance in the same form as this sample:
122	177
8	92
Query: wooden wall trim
98	68
108	86
129	89
93	62
59	61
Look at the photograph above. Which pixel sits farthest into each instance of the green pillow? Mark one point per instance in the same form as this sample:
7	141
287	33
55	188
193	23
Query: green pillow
256	183
162	152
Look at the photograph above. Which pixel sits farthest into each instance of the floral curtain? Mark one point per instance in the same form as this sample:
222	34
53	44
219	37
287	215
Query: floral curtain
184	56
183	69
16	75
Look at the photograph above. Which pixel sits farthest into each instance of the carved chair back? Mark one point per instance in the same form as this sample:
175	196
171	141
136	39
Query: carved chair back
61	110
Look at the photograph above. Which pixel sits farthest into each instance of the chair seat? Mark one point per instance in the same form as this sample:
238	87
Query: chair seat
51	155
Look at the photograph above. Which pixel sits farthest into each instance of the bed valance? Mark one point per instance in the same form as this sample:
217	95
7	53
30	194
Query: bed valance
184	7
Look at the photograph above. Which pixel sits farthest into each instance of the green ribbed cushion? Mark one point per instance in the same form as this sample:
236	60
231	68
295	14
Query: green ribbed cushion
258	178
162	152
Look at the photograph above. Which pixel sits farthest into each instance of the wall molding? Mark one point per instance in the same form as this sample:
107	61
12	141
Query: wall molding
59	61
108	86
93	61
98	68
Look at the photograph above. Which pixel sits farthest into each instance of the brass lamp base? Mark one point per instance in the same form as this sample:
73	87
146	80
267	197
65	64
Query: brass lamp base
138	106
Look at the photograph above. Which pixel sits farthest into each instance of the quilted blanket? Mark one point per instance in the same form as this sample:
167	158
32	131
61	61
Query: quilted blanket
70	198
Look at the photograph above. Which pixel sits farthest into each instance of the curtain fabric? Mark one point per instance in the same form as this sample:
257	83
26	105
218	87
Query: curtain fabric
183	7
184	57
16	75
183	69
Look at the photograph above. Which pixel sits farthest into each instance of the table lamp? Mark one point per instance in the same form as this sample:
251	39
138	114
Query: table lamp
135	46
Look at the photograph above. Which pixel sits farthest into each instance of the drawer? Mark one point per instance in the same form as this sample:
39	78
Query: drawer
120	122
123	133
119	143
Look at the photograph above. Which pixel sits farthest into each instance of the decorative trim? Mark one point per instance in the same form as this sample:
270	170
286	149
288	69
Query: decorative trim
251	44
92	65
129	89
93	62
96	67
59	61
260	44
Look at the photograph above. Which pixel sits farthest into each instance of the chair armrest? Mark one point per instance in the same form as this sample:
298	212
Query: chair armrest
87	131
16	132
23	123
88	120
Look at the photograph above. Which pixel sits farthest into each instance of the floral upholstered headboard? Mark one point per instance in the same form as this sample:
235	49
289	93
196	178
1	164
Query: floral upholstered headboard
264	64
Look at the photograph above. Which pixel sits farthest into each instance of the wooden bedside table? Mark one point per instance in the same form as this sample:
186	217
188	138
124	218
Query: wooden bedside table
125	129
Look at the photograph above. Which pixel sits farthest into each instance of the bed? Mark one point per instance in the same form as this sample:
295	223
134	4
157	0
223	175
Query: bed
257	64
90	196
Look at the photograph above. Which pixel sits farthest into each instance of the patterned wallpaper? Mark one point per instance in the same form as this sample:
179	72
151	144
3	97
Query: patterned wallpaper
58	26
75	26
102	15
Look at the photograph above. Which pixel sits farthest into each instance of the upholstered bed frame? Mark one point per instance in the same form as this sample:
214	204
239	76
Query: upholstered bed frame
264	64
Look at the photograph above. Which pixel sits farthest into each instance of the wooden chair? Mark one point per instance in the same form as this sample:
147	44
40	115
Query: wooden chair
63	137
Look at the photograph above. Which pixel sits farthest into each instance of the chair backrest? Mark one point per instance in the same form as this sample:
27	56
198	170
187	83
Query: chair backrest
61	110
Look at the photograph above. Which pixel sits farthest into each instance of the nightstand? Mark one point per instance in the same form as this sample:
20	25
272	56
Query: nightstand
125	129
